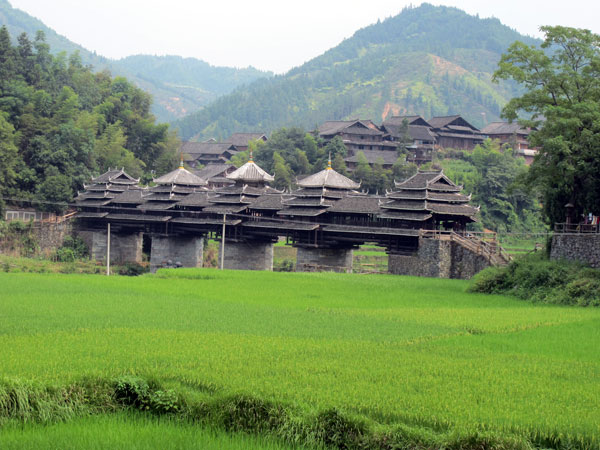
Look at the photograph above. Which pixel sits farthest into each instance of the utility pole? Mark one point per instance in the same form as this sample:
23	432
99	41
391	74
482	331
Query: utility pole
223	244
108	250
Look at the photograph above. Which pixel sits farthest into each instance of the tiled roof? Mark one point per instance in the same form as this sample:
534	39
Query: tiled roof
212	170
115	176
442	121
242	139
505	128
328	178
191	150
356	204
398	120
366	127
268	202
250	172
197	199
181	176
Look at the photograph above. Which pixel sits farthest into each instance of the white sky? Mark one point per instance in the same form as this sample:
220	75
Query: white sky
267	34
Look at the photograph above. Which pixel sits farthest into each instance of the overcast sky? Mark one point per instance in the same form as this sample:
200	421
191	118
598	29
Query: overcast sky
267	34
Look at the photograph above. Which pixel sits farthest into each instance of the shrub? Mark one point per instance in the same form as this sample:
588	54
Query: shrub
73	248
133	269
538	279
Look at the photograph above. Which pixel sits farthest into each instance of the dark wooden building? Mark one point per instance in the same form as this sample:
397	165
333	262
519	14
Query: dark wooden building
455	132
203	153
240	140
512	135
421	138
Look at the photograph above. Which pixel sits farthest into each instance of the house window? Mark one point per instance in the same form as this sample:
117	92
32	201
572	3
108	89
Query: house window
361	147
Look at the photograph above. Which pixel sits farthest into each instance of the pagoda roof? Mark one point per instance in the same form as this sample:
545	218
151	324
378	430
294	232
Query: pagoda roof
181	176
328	178
427	180
117	176
250	172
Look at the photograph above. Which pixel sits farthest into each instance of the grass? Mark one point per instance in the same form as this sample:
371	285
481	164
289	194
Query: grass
392	351
127	431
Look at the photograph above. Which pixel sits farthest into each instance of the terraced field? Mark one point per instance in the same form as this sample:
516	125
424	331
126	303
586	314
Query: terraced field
397	355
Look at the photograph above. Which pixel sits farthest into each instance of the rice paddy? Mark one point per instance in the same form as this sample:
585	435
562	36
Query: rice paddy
390	350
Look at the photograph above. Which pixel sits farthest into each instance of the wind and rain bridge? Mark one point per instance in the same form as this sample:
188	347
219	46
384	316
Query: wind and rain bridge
421	223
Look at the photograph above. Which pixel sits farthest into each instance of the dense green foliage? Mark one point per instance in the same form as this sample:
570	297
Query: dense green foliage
60	124
427	60
562	81
538	279
301	355
178	85
494	178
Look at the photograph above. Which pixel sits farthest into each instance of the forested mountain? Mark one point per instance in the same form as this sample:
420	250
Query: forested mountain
178	85
60	124
429	60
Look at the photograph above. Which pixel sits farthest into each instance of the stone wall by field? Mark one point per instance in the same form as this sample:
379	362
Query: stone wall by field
51	236
438	259
584	248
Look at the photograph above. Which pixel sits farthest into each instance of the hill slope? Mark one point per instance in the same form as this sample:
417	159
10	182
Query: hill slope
427	60
179	86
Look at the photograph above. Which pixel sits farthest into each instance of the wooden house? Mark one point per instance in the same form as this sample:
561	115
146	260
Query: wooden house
512	135
422	139
357	135
203	153
455	132
240	140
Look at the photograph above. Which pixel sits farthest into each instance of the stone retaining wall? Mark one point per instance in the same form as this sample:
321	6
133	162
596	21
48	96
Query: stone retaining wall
51	236
584	248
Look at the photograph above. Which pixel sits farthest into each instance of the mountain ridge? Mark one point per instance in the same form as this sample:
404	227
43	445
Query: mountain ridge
171	100
382	66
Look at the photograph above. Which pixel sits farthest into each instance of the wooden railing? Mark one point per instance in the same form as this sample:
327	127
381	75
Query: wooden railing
576	228
59	219
480	243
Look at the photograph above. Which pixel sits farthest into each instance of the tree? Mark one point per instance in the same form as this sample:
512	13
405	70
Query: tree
404	138
562	82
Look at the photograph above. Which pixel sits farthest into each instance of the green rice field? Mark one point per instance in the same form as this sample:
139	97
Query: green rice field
389	352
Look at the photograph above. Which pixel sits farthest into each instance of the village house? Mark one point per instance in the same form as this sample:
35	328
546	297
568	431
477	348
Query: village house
357	135
512	135
455	132
203	153
240	140
421	140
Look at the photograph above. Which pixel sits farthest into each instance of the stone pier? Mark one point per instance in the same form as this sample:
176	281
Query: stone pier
324	259
185	250
248	255
437	259
124	247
